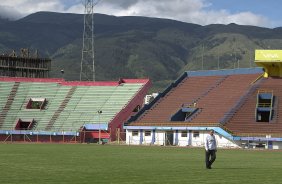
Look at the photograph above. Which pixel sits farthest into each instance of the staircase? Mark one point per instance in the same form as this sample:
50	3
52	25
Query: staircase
218	82
9	102
244	121
189	91
229	115
61	108
275	115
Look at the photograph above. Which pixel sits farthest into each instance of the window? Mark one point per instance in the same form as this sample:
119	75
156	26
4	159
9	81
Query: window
196	134
135	133
264	106
184	114
184	134
36	103
147	133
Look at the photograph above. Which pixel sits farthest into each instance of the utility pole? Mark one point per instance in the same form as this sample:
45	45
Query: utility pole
203	50
217	61
87	67
250	58
99	113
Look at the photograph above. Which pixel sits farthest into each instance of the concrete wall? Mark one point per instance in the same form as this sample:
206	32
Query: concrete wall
192	138
180	138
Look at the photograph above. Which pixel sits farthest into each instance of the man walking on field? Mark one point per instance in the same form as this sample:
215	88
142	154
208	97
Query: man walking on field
210	147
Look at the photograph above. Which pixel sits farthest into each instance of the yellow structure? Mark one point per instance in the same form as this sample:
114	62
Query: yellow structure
271	61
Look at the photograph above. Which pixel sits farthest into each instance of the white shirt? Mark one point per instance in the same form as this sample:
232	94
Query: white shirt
210	143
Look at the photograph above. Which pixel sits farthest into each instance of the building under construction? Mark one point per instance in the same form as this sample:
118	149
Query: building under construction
24	65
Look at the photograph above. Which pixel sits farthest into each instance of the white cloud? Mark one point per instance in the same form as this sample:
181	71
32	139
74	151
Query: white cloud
224	17
20	8
7	12
192	11
78	8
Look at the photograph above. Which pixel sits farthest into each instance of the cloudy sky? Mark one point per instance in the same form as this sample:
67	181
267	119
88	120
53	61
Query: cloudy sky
245	12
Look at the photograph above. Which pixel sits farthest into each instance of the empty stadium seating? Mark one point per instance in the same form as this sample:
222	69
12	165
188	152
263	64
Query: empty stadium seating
69	105
190	90
213	95
244	121
219	100
228	101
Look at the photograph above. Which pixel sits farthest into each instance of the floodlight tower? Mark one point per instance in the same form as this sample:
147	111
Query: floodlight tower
87	67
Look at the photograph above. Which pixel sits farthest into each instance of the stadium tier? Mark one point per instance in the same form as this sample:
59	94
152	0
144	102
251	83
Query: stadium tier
57	107
241	105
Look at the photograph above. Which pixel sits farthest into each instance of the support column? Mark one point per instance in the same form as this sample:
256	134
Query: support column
190	137
153	137
176	138
141	136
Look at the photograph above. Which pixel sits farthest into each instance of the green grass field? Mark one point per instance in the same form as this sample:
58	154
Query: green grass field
89	163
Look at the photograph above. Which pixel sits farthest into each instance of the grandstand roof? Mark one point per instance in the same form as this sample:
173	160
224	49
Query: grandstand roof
231	99
57	105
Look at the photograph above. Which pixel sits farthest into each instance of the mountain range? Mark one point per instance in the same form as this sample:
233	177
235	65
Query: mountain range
137	47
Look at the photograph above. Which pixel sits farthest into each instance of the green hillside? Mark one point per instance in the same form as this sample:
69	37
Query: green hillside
137	47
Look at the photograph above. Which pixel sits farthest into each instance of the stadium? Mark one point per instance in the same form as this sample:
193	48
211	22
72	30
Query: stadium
54	110
58	130
241	105
40	108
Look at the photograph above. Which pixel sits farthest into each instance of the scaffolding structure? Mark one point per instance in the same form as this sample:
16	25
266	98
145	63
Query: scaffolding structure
13	66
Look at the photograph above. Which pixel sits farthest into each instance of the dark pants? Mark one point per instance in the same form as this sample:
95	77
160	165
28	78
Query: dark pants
210	157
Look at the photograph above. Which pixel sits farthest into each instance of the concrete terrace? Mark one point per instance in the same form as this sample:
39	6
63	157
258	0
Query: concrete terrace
223	98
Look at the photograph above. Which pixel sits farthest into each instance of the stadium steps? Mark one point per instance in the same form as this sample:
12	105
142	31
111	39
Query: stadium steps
220	99
44	90
75	110
5	88
244	120
29	90
87	108
276	110
232	112
84	104
9	102
189	89
61	108
110	100
218	82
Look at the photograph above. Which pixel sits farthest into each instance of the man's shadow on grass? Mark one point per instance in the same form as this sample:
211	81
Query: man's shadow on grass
231	168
